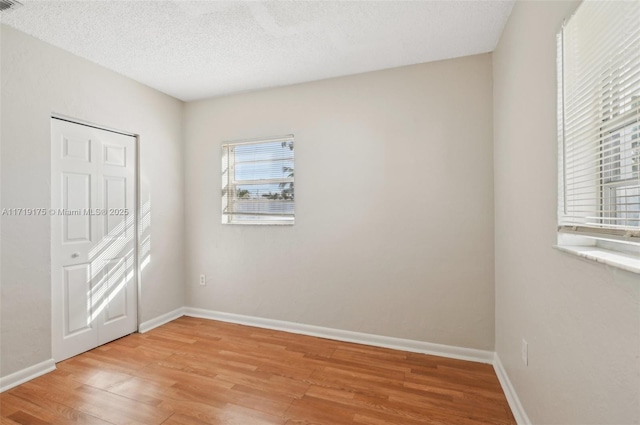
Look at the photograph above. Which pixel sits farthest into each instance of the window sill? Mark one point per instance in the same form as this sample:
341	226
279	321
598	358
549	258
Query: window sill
628	262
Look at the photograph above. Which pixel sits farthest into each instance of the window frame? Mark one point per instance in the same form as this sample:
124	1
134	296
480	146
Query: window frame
232	185
611	183
595	240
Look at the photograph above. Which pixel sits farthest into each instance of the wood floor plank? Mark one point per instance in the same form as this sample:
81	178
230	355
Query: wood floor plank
25	418
201	413
45	410
88	372
100	404
200	372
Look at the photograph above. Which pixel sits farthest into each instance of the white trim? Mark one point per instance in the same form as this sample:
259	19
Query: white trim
621	260
256	140
161	320
73	120
450	351
512	397
26	374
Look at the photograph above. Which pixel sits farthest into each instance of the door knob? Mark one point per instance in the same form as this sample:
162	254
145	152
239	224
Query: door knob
75	255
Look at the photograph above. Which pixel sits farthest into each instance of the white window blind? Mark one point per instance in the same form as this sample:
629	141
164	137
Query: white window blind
599	119
258	181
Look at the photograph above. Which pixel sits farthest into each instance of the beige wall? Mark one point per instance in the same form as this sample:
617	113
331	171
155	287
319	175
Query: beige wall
394	205
38	80
581	319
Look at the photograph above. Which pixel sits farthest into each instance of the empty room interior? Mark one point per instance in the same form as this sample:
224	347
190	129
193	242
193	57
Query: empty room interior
320	212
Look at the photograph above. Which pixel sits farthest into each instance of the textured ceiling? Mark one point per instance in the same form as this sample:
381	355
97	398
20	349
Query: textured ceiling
197	49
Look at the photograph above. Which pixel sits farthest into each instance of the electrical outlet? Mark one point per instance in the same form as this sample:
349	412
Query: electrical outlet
203	280
525	352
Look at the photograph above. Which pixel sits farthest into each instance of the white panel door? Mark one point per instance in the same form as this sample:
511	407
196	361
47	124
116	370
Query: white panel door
94	295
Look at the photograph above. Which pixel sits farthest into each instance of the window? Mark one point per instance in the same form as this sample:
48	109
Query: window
599	122
258	181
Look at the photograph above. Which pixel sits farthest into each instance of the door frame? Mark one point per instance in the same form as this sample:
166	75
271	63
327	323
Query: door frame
136	201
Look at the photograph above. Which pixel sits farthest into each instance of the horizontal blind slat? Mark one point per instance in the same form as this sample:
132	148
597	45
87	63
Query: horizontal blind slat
599	117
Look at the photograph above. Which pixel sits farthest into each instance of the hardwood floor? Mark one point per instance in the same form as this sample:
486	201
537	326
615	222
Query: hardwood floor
195	372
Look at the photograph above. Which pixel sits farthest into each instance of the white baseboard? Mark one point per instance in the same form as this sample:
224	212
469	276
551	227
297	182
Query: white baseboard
510	392
461	353
26	374
160	320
